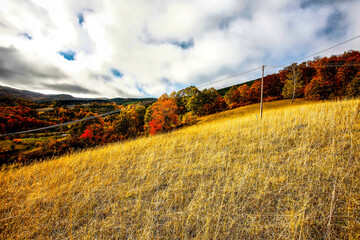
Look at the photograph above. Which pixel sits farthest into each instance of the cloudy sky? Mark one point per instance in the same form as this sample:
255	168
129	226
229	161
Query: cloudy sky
140	48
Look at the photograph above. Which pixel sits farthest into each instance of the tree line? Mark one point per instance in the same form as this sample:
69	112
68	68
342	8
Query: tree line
323	78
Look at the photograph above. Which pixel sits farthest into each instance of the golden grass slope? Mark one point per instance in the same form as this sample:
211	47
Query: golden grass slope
294	174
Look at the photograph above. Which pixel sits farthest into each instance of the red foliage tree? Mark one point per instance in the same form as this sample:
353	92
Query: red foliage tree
93	134
343	77
313	91
88	133
19	118
219	104
255	91
163	116
272	87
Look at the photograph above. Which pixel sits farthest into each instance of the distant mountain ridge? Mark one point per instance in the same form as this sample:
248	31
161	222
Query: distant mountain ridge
39	97
33	96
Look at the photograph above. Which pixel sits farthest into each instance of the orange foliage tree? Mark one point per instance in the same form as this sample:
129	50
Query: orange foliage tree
245	94
163	115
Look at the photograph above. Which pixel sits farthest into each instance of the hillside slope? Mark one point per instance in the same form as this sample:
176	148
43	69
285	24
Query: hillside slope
34	96
294	174
62	98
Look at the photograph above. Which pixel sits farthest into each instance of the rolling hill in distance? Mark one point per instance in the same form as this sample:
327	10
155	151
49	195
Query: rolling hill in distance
294	174
42	98
33	96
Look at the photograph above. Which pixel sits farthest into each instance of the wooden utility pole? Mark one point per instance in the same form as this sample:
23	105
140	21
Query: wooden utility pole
296	78
262	91
294	82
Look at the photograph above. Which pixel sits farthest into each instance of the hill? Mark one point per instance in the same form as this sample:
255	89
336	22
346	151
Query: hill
33	96
13	92
62	98
294	174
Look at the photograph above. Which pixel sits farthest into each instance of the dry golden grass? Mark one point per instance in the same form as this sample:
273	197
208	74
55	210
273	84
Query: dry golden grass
252	109
293	175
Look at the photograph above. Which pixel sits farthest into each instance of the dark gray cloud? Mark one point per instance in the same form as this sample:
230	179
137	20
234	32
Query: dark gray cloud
6	73
15	69
69	88
225	22
183	44
320	3
123	93
335	25
104	77
165	80
147	38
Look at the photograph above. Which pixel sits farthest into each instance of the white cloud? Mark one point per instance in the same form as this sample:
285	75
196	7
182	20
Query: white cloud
142	39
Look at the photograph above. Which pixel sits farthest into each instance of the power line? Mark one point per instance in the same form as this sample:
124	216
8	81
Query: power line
61	124
68	123
232	76
323	66
356	64
332	65
277	66
314	54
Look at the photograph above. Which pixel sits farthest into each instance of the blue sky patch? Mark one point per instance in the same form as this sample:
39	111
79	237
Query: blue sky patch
141	89
184	45
81	19
116	73
26	35
68	55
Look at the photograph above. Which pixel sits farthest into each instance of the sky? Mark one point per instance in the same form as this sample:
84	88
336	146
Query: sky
144	48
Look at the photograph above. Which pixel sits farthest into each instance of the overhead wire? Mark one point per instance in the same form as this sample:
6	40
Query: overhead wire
61	124
277	66
331	65
232	76
314	54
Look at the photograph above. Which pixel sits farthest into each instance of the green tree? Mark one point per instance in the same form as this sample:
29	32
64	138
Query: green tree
353	88
140	116
232	97
122	124
148	113
293	83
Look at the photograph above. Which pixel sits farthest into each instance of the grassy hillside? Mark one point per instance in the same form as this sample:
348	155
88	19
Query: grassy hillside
294	174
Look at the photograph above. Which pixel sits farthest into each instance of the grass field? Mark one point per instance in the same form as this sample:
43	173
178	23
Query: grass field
293	175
